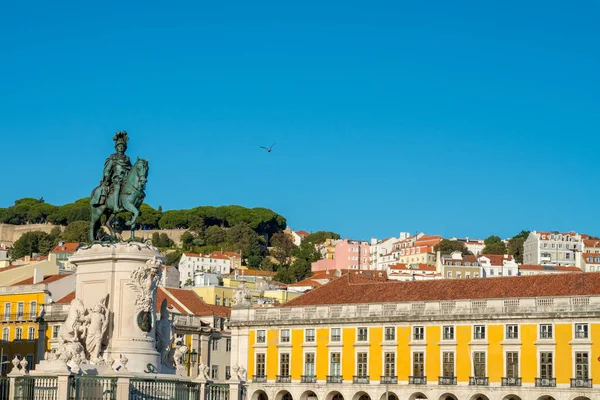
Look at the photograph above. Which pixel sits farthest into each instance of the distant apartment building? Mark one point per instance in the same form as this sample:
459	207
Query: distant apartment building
327	248
349	254
217	262
552	248
475	246
61	253
379	248
416	249
459	266
494	265
412	272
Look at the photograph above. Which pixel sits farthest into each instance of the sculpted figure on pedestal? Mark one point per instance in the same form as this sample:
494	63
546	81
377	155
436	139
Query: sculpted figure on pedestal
72	332
164	333
97	321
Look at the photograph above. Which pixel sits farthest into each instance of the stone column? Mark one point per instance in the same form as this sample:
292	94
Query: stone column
123	387
128	273
63	387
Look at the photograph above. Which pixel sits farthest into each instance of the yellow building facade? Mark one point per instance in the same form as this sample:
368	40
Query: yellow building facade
354	338
19	328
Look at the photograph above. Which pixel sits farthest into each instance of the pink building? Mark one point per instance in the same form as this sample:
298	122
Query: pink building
349	255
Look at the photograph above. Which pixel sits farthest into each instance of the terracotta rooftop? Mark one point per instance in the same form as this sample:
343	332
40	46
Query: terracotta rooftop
65	248
497	259
47	279
186	301
412	267
550	268
302	233
358	289
68	298
255	272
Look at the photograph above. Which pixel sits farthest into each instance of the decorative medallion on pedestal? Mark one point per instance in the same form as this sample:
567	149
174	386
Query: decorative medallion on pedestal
144	281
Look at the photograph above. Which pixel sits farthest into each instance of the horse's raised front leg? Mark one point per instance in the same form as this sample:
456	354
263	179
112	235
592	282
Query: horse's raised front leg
129	206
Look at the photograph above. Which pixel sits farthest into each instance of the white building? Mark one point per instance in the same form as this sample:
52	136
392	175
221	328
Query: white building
221	263
552	248
379	248
494	265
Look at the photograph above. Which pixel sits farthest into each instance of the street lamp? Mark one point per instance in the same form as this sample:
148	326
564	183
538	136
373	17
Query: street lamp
190	358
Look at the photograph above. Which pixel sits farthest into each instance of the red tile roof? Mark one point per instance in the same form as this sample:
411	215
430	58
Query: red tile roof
585	257
357	289
47	279
68	298
497	259
412	267
66	248
186	301
255	272
302	233
591	243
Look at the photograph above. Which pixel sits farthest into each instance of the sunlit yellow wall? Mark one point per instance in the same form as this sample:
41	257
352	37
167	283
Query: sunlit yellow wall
272	359
563	354
432	352
403	367
348	362
251	352
595	353
529	368
495	336
375	352
296	358
322	353
24	346
495	354
462	356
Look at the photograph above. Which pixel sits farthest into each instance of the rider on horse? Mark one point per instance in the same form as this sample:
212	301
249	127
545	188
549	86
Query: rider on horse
116	168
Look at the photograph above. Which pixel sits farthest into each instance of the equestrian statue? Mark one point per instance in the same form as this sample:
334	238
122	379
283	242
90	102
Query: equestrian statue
121	189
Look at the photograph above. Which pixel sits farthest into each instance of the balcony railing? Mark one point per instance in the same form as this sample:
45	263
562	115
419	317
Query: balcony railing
18	317
259	378
545	382
284	379
447	380
308	379
581	383
417	380
334	379
511	381
479	381
389	380
360	379
527	305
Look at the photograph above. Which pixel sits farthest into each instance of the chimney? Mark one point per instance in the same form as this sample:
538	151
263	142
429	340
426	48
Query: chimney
27	259
38	275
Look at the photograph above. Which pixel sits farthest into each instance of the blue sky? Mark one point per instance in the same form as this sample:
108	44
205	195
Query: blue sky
453	118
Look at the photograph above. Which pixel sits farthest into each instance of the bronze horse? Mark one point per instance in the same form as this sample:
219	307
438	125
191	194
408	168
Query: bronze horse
131	197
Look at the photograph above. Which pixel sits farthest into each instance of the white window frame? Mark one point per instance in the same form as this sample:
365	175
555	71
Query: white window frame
314	335
587	330
444	332
363	350
281	336
263	336
551	331
341	362
358	339
475	332
385	330
256	363
506	329
414	333
331	335
487	361
505	359
289	353
314	353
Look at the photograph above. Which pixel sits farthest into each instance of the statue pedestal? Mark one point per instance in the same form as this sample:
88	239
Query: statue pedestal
126	272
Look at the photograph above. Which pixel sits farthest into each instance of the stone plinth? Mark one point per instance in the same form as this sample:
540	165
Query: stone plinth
110	269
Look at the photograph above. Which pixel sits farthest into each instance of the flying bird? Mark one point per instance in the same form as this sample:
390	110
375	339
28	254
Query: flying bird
268	149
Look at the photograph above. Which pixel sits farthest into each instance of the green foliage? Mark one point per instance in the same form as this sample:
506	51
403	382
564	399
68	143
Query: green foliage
516	245
283	246
188	282
77	211
283	275
320	237
173	257
173	219
33	242
494	245
161	240
215	235
76	231
449	246
187	240
149	217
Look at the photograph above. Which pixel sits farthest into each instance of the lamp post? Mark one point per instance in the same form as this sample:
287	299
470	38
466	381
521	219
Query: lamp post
190	358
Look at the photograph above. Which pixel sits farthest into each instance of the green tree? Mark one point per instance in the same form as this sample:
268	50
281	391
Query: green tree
215	235
300	269
156	239
149	217
188	282
187	240
77	231
516	245
283	275
165	241
283	246
173	219
446	247
33	242
494	245
173	257
320	237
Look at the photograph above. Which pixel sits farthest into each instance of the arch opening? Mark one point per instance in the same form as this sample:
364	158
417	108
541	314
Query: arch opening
334	396
417	396
259	395
448	396
284	395
308	395
391	396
